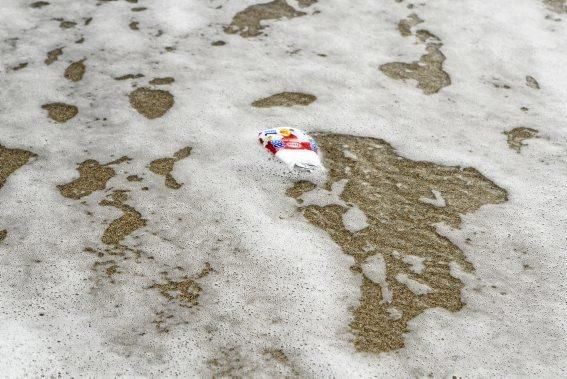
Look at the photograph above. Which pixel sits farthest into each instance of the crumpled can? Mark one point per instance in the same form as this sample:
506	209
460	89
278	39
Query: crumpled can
293	146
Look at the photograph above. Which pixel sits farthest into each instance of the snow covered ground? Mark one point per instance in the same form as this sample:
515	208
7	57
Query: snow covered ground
145	232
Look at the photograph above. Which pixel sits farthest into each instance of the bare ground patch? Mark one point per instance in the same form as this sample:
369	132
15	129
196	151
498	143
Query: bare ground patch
164	167
285	99
75	71
60	112
402	201
151	103
126	224
248	22
428	71
92	177
53	55
517	136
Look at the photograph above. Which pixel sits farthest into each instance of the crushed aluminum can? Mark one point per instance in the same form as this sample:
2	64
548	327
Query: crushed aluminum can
293	146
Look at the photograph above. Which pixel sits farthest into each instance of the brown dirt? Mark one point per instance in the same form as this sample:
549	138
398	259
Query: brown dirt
53	55
164	167
532	82
129	76
39	4
559	6
133	178
75	71
134	25
60	112
218	43
285	99
390	190
247	22
11	160
428	71
306	3
20	66
185	292
151	103
162	81
67	24
126	224
138	9
92	177
405	25
517	136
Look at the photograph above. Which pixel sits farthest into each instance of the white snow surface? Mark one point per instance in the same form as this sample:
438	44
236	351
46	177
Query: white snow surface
278	282
413	285
354	219
375	269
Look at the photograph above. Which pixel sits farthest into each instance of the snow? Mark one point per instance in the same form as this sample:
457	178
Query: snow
375	269
415	262
438	201
277	283
354	220
413	285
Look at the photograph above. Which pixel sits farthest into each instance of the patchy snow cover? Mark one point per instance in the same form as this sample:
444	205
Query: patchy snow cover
214	279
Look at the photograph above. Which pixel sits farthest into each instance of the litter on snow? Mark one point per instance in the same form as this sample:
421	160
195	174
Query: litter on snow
293	146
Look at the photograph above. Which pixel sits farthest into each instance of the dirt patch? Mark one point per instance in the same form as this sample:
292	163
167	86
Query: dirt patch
164	167
532	82
405	25
247	22
126	224
402	201
162	81
92	177
75	71
11	160
129	76
559	6
218	43
60	112
19	66
139	9
39	4
133	178
53	55
64	24
517	136
134	25
428	71
151	103
185	292
285	99
306	3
